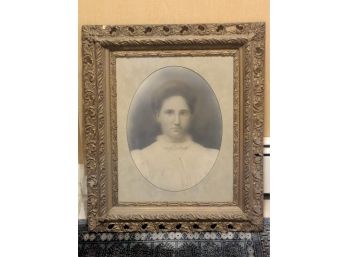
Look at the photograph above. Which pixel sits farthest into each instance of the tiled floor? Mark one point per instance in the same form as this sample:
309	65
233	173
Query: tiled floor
174	244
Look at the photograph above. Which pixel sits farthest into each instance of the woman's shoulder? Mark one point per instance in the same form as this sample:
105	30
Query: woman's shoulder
137	156
204	150
150	149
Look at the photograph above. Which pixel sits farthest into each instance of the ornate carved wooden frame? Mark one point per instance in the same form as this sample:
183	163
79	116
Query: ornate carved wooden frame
101	45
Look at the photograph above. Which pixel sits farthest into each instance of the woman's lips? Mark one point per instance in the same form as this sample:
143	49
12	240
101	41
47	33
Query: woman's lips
176	129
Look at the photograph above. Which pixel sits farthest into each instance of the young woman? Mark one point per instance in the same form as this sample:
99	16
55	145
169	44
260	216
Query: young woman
174	162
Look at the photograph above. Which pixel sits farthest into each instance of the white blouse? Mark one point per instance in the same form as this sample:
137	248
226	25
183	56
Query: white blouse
174	166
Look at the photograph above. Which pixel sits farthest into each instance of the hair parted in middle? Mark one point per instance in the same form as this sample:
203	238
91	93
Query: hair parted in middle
173	88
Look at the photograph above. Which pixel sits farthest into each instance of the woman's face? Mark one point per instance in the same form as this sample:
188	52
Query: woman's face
175	118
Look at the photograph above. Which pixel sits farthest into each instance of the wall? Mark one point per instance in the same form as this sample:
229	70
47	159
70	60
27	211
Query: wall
104	12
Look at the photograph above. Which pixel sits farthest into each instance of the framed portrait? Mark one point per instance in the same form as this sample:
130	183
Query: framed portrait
173	126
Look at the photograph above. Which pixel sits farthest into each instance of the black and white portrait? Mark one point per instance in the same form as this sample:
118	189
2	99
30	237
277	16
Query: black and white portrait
174	128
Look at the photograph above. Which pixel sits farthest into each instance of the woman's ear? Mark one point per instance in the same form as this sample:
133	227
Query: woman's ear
156	116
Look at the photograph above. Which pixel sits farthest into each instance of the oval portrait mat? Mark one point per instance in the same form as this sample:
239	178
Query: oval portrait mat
174	166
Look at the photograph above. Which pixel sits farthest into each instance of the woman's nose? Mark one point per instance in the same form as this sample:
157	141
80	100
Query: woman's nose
177	119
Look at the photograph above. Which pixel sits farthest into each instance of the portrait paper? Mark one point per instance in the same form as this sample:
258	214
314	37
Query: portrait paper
152	165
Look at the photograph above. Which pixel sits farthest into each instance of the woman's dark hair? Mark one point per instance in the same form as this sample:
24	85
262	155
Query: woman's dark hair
173	88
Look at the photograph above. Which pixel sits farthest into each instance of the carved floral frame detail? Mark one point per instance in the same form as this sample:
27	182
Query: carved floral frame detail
101	45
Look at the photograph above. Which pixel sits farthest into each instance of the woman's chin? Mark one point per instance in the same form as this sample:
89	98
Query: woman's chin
177	138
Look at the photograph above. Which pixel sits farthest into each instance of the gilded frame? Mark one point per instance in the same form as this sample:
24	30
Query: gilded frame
101	45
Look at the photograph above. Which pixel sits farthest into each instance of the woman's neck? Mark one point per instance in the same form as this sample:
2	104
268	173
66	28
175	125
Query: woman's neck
168	139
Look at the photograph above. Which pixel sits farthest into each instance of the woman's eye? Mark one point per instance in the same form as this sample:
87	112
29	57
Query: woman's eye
169	112
184	113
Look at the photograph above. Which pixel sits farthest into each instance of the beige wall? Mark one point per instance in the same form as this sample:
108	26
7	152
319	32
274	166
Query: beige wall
104	12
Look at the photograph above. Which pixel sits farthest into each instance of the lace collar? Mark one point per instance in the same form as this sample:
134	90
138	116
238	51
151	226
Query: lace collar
167	144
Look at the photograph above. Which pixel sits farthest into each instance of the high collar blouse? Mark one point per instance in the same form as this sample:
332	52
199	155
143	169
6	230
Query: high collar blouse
174	166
